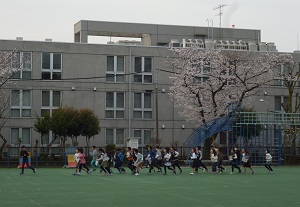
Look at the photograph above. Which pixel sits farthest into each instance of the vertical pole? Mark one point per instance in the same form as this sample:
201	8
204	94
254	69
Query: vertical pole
65	159
8	157
156	105
279	145
36	159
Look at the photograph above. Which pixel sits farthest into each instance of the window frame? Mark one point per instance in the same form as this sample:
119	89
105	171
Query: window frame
143	109
20	107
51	70
20	135
115	108
115	136
22	63
142	137
115	72
143	73
50	107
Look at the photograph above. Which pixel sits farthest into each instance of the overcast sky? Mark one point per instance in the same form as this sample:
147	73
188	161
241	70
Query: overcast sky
278	20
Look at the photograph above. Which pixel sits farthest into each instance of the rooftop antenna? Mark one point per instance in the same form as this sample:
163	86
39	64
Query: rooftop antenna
220	8
297	42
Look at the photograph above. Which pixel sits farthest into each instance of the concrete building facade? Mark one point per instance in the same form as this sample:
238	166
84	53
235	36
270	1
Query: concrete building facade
117	81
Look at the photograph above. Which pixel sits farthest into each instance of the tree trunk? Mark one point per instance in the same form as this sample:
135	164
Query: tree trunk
206	148
88	145
3	145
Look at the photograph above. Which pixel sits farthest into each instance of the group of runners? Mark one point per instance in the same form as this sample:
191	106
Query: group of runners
162	161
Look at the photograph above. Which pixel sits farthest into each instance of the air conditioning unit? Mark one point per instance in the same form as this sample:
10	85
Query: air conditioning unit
262	46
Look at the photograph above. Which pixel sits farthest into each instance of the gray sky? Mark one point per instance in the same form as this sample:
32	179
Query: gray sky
40	19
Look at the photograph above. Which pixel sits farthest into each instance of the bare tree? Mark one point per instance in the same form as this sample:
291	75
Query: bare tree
6	72
289	74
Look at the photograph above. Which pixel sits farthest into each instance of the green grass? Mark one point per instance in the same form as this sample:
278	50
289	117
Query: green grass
57	187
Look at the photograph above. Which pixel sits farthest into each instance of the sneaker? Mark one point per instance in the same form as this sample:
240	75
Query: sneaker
191	173
231	173
149	174
90	172
34	170
247	173
252	172
174	172
76	174
240	171
21	173
271	172
180	171
136	174
165	174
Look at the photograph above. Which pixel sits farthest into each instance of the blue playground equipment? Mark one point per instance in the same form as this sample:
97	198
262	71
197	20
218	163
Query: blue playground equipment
212	127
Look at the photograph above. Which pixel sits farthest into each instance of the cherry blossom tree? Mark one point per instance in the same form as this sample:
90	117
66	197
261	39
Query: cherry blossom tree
6	72
208	80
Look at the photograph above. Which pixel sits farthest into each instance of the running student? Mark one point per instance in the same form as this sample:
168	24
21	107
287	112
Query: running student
118	158
234	162
104	162
24	154
168	163
195	161
77	161
245	160
82	162
199	156
151	159
138	162
130	158
94	154
158	158
214	160
174	159
268	161
220	162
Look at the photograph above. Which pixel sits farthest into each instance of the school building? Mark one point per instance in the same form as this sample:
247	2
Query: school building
126	83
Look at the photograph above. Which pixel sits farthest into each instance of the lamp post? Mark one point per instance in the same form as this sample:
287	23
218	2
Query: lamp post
262	100
156	104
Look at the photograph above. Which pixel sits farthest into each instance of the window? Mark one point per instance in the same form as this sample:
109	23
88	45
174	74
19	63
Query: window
142	106
114	136
279	101
115	106
51	66
50	101
115	69
22	134
23	62
143	65
20	103
48	138
144	134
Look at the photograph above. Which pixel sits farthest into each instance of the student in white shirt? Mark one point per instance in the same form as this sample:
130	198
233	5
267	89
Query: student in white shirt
268	161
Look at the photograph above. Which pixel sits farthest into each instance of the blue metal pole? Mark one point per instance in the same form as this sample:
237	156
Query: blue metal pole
65	159
36	159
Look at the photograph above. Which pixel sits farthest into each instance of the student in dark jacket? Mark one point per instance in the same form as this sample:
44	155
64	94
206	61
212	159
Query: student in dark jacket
24	155
174	159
